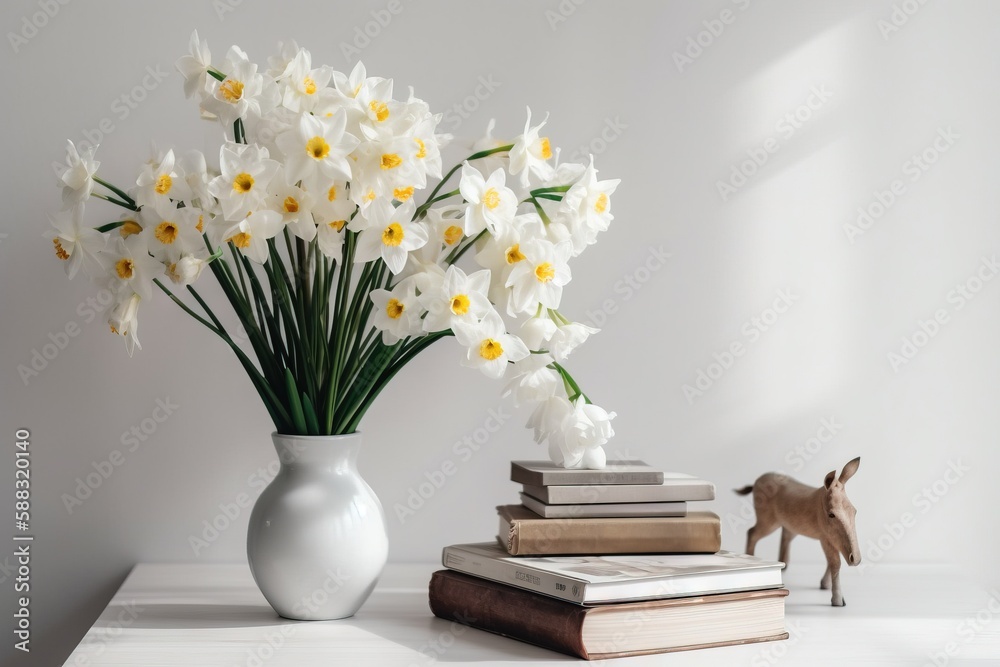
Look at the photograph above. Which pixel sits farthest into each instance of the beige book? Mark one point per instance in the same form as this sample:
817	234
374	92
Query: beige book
522	532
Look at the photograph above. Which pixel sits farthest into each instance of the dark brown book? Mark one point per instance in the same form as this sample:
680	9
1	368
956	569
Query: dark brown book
611	630
523	533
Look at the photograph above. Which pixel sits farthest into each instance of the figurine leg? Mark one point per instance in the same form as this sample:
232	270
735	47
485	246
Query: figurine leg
758	532
824	583
786	540
833	570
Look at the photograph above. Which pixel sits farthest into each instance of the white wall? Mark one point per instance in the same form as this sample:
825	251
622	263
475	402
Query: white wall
607	64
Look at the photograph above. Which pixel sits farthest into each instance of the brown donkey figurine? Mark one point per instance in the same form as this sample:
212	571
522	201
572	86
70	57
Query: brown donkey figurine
825	514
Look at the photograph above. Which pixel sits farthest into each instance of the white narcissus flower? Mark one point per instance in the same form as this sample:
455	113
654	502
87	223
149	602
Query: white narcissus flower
186	270
295	206
533	380
391	235
460	298
382	115
316	151
242	186
304	86
244	92
159	183
491	205
540	277
124	319
584	433
132	267
75	243
547	417
78	177
448	228
277	65
171	232
397	312
586	208
332	214
567	337
488	345
251	234
531	153
194	66
195	169
536	331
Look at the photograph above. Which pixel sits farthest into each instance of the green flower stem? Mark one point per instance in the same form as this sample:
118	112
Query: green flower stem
121	193
117	202
573	389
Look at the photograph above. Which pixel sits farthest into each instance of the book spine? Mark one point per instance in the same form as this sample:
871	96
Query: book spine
505	572
631	535
530	618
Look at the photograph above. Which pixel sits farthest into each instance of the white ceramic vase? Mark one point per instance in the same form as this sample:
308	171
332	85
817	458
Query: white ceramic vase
317	541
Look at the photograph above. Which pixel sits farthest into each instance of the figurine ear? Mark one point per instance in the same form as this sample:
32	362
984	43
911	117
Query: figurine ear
829	478
850	469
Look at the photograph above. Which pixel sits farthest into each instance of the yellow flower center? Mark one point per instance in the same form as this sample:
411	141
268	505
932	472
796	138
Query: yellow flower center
124	268
545	272
380	109
453	235
490	349
601	205
546	148
331	194
291	204
370	196
201	223
337	224
402	194
422	153
130	227
163	184
460	304
317	148
391	161
231	90
394	308
514	254
308	85
491	198
392	235
243	183
240	240
166	232
60	251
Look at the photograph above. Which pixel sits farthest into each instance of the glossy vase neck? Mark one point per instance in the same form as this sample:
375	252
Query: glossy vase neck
318	453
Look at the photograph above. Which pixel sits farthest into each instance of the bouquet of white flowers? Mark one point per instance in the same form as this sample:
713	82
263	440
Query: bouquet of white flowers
311	229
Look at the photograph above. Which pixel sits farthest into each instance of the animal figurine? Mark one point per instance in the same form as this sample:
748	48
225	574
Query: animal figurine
825	514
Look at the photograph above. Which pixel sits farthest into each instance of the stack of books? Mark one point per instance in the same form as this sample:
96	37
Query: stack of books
610	563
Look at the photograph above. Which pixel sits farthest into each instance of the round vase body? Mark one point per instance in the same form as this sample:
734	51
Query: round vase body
317	542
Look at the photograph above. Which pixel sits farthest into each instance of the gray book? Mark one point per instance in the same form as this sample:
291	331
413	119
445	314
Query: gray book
601	511
674	488
546	473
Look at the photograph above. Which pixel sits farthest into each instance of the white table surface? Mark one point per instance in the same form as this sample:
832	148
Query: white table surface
205	614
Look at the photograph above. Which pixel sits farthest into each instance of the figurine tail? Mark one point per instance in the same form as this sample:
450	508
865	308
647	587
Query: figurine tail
745	490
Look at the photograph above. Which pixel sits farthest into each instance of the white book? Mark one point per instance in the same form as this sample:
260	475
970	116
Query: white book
602	510
676	487
588	580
